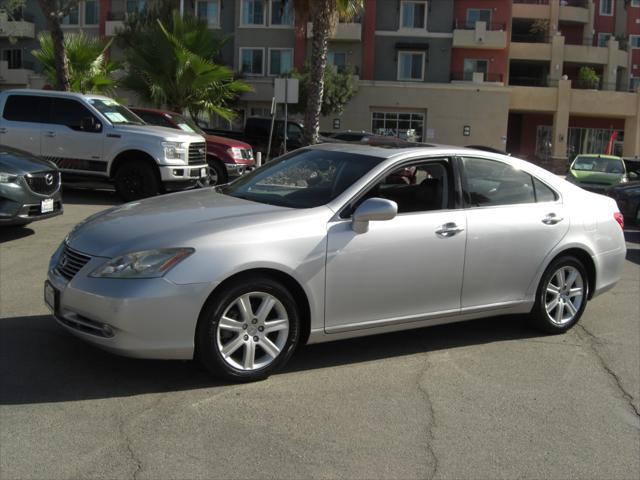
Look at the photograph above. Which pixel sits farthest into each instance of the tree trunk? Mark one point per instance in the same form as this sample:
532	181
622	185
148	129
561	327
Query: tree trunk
322	15
57	37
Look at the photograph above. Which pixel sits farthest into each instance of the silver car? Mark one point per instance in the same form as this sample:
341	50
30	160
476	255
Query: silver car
331	242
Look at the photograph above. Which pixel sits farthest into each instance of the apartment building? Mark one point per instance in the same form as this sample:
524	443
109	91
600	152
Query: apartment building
501	73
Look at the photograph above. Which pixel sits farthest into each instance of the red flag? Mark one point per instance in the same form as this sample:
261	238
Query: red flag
612	139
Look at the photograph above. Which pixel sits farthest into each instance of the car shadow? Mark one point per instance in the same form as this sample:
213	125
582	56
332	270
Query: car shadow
42	363
14	233
75	195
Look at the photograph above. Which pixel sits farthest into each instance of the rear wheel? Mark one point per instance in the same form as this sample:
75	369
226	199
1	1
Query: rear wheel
248	330
135	180
562	296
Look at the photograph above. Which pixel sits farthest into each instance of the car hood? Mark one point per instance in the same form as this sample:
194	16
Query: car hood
228	142
17	162
164	133
596	177
175	220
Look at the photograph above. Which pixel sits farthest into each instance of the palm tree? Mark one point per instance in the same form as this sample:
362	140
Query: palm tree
89	69
174	65
324	16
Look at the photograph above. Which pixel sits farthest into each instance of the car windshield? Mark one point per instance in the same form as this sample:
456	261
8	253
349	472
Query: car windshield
185	124
115	113
599	164
302	179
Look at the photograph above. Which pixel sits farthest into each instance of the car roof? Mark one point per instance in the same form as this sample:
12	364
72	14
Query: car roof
53	93
598	155
153	110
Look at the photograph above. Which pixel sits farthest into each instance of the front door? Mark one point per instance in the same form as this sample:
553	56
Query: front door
403	269
67	144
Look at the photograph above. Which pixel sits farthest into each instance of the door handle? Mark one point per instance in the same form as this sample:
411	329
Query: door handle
552	219
3	130
50	134
448	230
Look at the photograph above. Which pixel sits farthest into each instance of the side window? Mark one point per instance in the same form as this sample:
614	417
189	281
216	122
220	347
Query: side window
69	112
490	183
27	108
421	187
543	193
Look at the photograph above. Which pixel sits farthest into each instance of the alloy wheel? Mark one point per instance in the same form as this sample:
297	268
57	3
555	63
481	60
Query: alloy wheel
252	331
564	295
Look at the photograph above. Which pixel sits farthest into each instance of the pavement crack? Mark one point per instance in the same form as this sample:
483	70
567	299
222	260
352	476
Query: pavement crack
592	340
431	422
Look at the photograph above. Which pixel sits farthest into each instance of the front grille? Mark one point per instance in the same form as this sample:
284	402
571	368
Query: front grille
70	262
197	154
36	210
44	183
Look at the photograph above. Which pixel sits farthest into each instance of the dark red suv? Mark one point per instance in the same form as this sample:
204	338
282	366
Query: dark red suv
227	158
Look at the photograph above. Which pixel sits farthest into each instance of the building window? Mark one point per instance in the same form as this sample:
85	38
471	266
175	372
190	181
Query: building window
13	57
579	140
252	61
603	39
338	60
472	66
253	12
280	61
411	66
606	7
72	18
407	126
634	41
413	14
209	11
635	3
634	83
478	15
282	12
91	12
135	6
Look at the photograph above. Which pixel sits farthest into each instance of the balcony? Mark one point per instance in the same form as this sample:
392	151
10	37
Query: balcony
345	32
531	9
476	77
576	11
15	77
20	27
480	35
528	49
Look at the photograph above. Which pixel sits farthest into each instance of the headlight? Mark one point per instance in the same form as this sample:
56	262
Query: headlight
147	264
235	152
7	178
175	150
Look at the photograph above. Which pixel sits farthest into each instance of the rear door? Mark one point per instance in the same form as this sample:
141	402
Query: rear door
514	221
23	117
65	143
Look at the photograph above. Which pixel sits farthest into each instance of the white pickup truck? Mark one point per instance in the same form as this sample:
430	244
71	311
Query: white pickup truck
91	137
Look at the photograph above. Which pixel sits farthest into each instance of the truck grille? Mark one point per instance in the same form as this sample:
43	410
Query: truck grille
197	154
44	183
70	262
247	154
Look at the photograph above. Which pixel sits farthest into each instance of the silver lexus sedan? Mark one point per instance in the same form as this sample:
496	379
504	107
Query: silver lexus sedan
331	242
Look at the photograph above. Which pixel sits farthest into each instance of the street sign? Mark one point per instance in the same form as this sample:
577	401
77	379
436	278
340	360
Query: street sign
286	90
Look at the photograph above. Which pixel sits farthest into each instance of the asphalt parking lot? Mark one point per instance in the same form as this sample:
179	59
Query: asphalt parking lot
483	399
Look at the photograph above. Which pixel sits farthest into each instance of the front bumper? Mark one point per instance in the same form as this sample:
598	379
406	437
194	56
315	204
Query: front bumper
142	318
21	207
236	170
182	173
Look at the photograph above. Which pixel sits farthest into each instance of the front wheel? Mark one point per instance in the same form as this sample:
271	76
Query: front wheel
249	330
136	180
216	174
562	296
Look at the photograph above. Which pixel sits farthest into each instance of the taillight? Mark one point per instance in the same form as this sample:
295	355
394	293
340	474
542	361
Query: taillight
619	218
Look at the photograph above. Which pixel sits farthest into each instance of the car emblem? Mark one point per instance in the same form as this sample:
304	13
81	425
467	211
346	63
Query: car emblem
201	151
63	260
49	179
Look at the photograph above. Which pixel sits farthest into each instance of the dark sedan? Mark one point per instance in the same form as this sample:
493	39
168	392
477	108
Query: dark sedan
627	196
29	188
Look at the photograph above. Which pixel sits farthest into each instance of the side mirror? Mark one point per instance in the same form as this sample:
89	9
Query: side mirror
633	175
373	210
89	124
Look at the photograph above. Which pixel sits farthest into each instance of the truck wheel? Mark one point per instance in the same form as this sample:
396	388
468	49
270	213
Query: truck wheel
217	174
136	180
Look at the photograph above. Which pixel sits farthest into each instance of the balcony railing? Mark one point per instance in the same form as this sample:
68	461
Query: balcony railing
522	81
574	3
530	38
465	25
468	77
533	2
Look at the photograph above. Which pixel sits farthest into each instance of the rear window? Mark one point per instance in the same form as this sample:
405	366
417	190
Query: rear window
598	164
27	108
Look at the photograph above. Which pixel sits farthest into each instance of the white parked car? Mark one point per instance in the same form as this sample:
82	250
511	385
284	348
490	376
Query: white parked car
92	137
331	242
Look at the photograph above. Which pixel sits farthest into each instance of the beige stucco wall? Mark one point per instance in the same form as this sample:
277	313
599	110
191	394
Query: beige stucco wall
448	108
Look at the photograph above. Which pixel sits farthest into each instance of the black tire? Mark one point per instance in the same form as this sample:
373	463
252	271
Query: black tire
551	320
210	341
216	174
136	180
